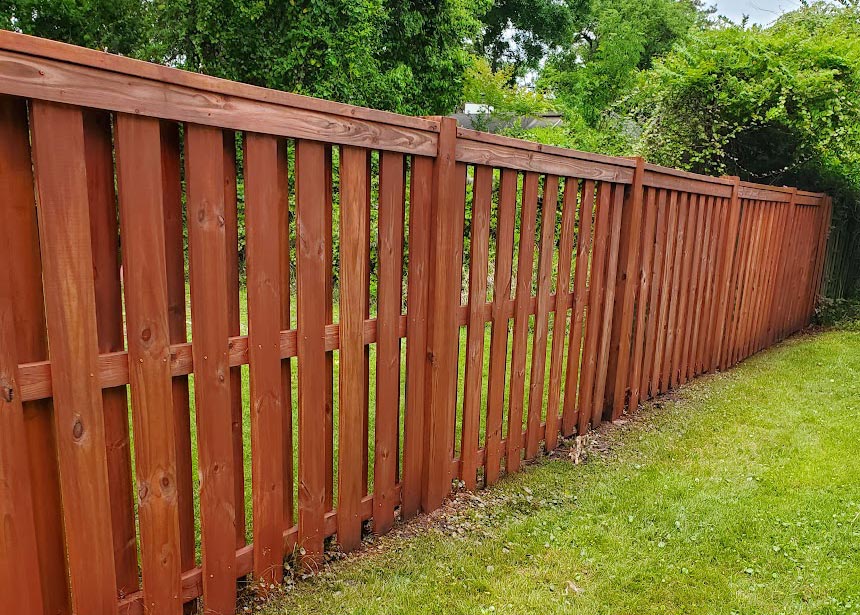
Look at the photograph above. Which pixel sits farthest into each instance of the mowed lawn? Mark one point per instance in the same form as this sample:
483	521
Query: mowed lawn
739	494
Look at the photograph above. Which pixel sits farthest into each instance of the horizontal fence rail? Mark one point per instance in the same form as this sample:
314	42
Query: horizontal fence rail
236	323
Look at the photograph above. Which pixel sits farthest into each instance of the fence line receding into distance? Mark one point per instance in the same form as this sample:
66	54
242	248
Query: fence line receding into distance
358	367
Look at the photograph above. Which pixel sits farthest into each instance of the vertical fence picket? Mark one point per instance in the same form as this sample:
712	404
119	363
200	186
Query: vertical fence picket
207	246
666	291
138	150
643	291
501	323
600	402
231	232
478	270
572	389
64	233
353	298
523	295
310	264
20	582
175	265
594	314
539	339
562	305
697	216
628	283
98	145
284	247
727	267
677	268
656	291
18	211
391	209
262	202
418	278
707	304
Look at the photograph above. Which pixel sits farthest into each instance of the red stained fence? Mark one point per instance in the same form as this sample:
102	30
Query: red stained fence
609	281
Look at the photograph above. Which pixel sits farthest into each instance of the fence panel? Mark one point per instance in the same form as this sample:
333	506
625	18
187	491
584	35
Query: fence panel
610	281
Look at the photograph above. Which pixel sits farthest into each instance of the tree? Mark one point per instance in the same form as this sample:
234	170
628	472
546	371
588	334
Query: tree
521	32
761	103
616	40
400	55
776	105
118	26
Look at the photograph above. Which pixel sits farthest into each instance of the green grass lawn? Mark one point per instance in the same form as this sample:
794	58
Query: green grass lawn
741	494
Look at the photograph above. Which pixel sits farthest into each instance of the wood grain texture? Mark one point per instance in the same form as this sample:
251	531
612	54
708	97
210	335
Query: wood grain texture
353	298
231	232
174	241
525	265
284	266
593	326
18	211
98	146
684	288
609	308
662	315
572	391
418	277
262	205
447	220
666	380
627	286
565	262
549	207
695	298
497	155
656	292
20	583
60	174
478	271
138	149
75	84
310	262
727	267
392	193
643	293
506	213
207	246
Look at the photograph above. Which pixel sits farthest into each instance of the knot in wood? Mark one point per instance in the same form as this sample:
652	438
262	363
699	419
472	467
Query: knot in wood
6	391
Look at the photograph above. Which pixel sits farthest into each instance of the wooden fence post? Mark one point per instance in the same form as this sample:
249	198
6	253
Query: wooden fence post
64	233
627	284
726	269
446	228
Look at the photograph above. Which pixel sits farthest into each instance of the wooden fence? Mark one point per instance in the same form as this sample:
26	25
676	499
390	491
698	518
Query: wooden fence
593	283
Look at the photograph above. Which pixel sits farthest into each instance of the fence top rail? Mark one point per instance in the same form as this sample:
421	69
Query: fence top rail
40	47
38	68
657	176
533	146
656	168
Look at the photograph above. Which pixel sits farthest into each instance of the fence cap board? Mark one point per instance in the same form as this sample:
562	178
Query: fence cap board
58	81
505	152
674	179
35	46
487	137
